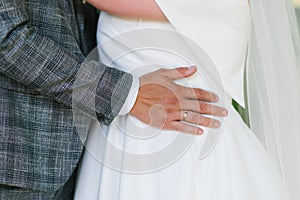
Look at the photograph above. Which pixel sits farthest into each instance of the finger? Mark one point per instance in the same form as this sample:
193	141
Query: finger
200	94
203	108
185	128
198	119
178	73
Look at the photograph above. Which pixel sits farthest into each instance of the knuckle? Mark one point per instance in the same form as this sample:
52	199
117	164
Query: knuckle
171	102
203	107
169	112
195	118
201	121
201	94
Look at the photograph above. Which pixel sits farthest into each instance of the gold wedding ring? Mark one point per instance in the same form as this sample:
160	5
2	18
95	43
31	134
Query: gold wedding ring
185	114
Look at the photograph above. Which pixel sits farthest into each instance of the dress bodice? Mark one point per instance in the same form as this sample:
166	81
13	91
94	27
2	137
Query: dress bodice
220	27
129	160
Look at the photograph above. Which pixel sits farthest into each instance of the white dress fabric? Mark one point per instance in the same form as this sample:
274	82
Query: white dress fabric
238	167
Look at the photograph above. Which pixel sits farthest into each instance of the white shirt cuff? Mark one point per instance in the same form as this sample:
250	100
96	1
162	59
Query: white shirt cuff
131	98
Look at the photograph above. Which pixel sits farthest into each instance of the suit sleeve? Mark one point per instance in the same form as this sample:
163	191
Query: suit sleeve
38	62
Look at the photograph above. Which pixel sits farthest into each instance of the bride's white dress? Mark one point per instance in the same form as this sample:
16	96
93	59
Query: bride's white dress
237	168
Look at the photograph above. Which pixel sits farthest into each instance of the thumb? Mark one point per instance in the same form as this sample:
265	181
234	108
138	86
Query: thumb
180	72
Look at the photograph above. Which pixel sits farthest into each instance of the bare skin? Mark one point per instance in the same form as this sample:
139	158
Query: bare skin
147	9
161	102
165	102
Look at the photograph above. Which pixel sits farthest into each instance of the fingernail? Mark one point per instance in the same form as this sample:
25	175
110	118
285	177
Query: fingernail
215	98
192	68
217	124
225	112
200	132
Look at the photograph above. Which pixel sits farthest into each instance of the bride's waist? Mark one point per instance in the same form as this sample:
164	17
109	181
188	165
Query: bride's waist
139	53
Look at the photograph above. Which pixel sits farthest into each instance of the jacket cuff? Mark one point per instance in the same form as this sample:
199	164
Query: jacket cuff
111	94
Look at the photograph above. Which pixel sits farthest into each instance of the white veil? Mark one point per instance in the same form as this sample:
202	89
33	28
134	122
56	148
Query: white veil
273	83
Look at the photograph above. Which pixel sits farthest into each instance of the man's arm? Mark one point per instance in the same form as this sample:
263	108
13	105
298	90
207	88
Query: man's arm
31	58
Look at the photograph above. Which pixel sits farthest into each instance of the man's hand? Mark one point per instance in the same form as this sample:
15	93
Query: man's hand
164	104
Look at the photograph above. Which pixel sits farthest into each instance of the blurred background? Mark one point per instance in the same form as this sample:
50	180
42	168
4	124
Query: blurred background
297	7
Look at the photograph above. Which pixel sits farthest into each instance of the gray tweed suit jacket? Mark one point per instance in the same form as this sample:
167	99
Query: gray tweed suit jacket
43	44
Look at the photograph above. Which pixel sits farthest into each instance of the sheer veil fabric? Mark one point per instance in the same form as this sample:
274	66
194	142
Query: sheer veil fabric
273	82
272	78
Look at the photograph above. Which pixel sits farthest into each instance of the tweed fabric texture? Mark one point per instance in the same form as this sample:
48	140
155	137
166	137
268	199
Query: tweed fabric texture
43	45
16	193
